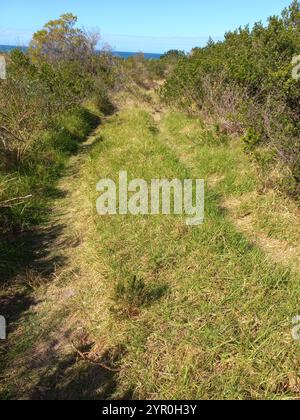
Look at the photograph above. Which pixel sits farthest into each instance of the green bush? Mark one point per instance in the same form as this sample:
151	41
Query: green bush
43	118
245	83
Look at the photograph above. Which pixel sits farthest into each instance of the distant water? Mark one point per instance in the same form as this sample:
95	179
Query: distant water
131	54
7	48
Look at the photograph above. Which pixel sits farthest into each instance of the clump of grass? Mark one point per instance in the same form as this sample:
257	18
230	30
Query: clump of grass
215	136
132	294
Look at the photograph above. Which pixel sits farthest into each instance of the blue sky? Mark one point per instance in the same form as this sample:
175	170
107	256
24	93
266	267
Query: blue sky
138	25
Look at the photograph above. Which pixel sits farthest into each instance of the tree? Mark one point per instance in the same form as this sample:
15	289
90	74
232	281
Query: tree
60	40
173	54
291	15
210	42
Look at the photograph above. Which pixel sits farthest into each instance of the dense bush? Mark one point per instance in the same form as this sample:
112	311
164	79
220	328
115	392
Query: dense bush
245	83
141	71
32	99
43	117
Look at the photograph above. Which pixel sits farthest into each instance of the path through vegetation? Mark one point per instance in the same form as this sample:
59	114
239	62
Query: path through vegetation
147	307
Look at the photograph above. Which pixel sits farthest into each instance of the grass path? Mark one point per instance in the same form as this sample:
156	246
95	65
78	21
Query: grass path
146	307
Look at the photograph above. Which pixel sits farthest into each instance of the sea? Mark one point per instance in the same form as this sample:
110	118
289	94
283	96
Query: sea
123	54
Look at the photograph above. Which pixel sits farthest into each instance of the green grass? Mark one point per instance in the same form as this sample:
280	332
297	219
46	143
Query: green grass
184	312
222	329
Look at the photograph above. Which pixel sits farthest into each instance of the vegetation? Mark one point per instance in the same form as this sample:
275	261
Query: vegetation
173	55
153	308
134	307
60	40
245	85
140	72
50	101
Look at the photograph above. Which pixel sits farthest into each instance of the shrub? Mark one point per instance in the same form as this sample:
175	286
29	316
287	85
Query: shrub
43	117
133	294
245	83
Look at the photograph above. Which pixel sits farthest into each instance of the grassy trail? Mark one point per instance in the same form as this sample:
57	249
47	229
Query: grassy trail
146	307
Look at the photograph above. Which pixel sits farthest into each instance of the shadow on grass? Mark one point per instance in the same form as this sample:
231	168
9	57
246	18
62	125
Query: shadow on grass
26	257
85	382
73	378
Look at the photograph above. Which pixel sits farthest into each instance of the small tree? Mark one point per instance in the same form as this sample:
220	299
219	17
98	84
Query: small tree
60	40
173	54
291	15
